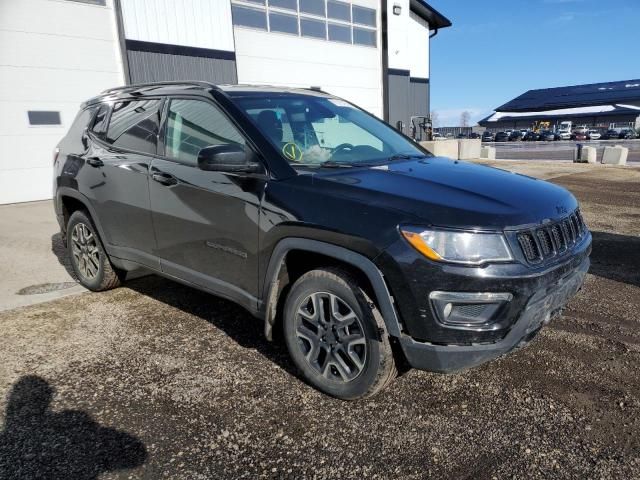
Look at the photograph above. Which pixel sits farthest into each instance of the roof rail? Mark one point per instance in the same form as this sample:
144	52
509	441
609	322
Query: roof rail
154	84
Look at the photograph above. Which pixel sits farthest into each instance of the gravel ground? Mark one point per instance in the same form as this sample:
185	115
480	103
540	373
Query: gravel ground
156	380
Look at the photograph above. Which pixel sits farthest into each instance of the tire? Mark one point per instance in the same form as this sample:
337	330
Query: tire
87	255
346	354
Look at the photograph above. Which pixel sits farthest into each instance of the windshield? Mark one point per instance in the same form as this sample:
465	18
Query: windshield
321	131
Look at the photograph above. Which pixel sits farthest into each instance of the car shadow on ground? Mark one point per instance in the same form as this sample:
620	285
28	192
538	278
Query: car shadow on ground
37	442
236	322
233	320
616	257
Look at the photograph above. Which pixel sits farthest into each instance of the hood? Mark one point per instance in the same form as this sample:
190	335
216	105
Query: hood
444	192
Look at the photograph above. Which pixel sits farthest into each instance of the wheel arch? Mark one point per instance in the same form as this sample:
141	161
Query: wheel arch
274	288
67	197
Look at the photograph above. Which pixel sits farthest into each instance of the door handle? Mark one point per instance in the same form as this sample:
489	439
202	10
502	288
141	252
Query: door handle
95	162
164	178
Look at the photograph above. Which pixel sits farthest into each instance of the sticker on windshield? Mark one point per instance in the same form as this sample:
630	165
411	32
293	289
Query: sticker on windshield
292	152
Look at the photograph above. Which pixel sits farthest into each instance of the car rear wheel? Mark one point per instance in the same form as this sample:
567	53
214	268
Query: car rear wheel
336	336
88	257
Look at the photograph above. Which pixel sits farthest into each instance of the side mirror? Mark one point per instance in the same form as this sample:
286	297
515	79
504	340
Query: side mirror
226	158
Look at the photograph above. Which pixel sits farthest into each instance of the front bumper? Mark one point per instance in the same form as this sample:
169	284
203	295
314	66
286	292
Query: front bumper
541	307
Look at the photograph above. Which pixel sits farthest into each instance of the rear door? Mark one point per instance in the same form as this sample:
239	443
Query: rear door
206	223
116	175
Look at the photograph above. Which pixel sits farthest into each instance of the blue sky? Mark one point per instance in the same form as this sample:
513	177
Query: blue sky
498	49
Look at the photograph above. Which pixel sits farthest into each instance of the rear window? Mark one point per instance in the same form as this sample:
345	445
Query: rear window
134	125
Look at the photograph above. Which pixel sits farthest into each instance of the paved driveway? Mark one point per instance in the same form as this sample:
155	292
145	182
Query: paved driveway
156	380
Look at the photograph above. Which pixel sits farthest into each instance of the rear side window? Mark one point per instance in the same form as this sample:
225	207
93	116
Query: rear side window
99	126
134	125
195	124
81	122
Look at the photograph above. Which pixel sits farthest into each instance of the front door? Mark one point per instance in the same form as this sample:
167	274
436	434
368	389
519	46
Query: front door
206	223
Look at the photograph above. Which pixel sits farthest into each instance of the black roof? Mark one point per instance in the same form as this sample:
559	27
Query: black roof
574	96
427	12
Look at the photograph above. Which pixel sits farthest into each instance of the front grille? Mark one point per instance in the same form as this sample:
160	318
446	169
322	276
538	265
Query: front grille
542	243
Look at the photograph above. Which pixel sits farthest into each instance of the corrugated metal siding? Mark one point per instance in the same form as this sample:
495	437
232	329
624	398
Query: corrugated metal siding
418	98
399	100
154	67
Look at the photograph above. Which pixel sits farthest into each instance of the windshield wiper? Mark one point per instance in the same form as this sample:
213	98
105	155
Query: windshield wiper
334	164
405	156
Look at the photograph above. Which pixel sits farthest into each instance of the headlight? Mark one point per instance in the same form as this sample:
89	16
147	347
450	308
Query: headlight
470	248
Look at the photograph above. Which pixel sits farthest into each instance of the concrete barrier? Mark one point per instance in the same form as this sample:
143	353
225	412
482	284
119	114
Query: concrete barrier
588	155
488	153
615	155
442	148
469	148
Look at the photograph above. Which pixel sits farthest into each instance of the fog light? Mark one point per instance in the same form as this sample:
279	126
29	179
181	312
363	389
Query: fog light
467	310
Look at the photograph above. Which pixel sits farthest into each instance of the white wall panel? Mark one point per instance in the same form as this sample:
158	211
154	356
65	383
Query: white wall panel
54	54
408	37
192	23
350	71
418	34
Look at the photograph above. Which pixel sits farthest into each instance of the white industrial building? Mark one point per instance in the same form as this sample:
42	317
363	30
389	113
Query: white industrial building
54	54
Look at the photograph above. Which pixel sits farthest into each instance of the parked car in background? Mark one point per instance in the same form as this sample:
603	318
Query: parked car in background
474	135
515	136
594	135
579	135
627	134
488	136
501	137
610	134
456	264
531	136
547	136
437	136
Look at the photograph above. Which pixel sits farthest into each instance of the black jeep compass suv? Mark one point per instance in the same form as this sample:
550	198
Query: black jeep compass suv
321	220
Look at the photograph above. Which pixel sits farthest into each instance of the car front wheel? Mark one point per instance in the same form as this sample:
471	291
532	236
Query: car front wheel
335	335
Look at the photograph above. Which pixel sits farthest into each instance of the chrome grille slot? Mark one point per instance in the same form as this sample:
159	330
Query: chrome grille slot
558	238
544	239
529	247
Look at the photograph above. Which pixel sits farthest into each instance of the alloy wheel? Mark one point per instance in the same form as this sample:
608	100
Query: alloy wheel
84	249
331	337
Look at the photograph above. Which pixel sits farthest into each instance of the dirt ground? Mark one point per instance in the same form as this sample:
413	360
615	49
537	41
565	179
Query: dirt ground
155	380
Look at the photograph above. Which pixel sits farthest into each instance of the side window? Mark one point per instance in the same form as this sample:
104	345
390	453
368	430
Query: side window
195	124
100	121
134	125
81	122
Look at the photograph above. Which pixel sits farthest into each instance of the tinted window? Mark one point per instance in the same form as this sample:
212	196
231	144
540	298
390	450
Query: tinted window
283	23
290	4
364	37
249	17
81	122
312	28
338	10
195	124
100	121
364	16
339	33
315	7
134	125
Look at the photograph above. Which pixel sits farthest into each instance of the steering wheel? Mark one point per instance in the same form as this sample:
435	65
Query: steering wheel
342	146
